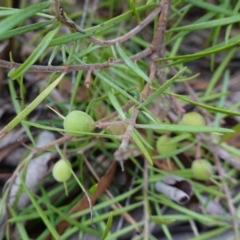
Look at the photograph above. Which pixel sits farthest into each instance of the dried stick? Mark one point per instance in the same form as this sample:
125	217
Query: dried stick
71	68
88	78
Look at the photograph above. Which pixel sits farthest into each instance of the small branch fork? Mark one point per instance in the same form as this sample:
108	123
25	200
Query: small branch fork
59	14
158	49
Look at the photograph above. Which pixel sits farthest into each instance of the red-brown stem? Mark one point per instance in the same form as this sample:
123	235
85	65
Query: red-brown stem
71	68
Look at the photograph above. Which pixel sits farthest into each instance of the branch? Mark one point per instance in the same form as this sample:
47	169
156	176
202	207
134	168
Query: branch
59	14
71	68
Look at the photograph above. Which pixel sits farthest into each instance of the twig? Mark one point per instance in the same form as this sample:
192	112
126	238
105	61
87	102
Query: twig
120	152
61	69
145	201
115	114
226	190
59	14
88	78
131	33
100	124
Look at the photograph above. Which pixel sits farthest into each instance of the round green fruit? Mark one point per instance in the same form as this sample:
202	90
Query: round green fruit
165	145
78	121
62	170
202	169
193	119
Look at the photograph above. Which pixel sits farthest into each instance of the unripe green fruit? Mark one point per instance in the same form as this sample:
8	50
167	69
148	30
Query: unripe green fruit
165	146
202	169
78	121
193	119
62	170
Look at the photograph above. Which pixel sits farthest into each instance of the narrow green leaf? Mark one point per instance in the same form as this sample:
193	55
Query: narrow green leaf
18	109
133	66
141	147
34	55
113	100
183	128
211	7
219	71
208	24
162	220
108	226
234	41
227	136
21	228
134	10
162	88
21	15
40	212
25	29
73	132
31	106
96	29
7	12
93	189
222	99
210	108
114	86
217	233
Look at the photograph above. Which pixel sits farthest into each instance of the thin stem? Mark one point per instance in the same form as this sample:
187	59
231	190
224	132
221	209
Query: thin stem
226	190
145	201
62	69
131	33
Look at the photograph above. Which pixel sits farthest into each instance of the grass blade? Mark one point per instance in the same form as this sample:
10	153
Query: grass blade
208	24
108	227
31	106
210	108
21	15
96	29
24	29
34	55
133	66
162	88
183	128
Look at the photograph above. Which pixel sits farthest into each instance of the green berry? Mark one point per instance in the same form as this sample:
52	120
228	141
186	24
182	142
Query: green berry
202	169
62	170
78	121
164	145
193	119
